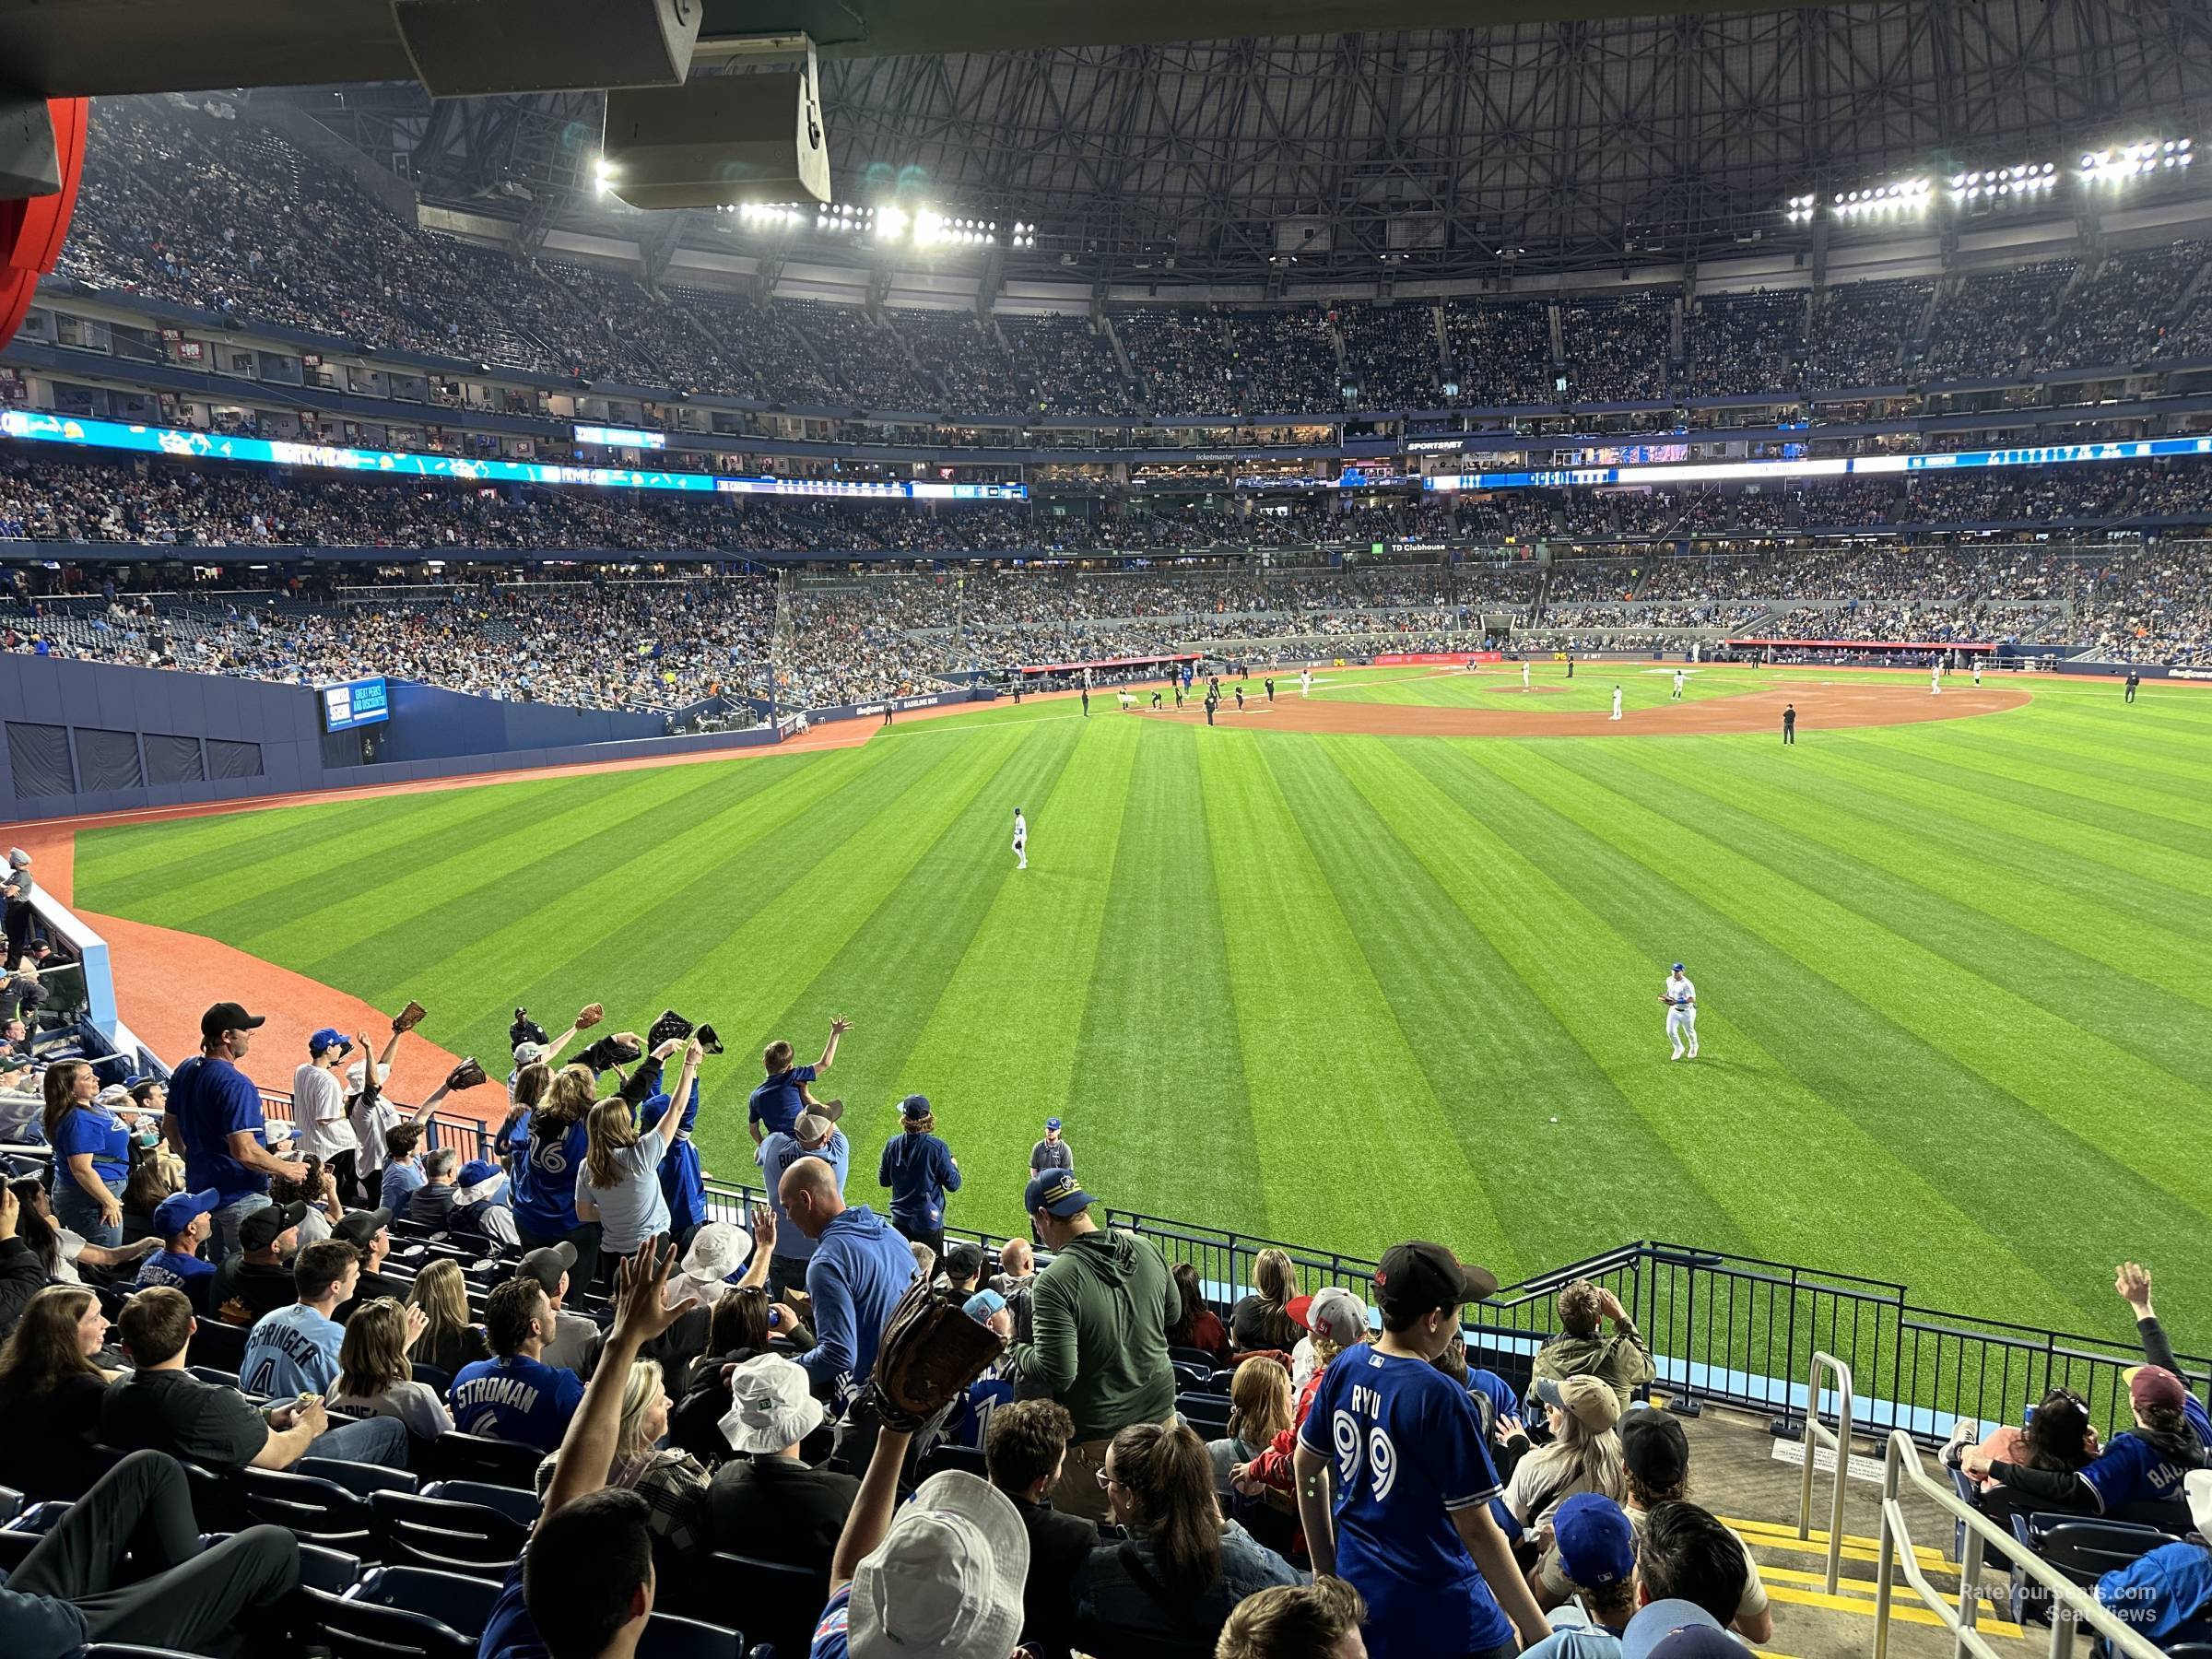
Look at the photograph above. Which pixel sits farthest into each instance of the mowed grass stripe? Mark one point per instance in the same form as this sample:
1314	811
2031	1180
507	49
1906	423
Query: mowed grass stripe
588	941
1025	978
1435	911
1757	1116
2033	937
1158	1108
1351	1081
2073	1077
2155	779
888	968
2187	818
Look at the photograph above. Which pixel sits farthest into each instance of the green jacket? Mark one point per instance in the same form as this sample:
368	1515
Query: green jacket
1100	1313
1621	1359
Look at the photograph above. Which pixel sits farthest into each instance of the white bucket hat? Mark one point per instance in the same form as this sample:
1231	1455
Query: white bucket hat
718	1250
770	1405
948	1577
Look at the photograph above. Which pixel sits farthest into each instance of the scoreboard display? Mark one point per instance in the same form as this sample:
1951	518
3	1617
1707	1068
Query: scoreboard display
354	703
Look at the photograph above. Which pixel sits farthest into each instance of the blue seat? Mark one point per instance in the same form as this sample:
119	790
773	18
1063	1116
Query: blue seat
2083	1547
315	1510
1192	1378
360	1629
219	1346
413	1530
669	1637
213	1377
437	1381
455	1600
320	1568
509	1501
1195	1357
782	1603
458	1456
361	1480
1204	1412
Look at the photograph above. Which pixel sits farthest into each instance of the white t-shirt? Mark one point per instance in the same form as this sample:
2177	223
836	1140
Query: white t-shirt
369	1125
634	1210
319	1114
414	1403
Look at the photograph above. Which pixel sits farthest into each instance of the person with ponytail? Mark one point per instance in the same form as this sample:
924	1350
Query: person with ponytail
1170	1583
619	1185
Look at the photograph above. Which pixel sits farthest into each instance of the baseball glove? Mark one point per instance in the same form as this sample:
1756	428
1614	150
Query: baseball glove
408	1018
590	1015
931	1351
467	1075
670	1024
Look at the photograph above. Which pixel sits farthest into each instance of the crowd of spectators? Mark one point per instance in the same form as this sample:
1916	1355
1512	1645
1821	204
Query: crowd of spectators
1499	353
1986	325
2122	313
1202	360
1067	367
1618	350
1390	353
1746	343
1860	331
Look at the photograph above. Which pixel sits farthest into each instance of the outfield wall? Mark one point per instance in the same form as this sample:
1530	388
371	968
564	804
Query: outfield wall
83	738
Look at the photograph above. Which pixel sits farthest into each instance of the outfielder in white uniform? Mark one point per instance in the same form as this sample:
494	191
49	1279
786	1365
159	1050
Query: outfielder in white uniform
1935	677
1616	702
1678	683
1525	677
1305	682
1021	840
1682	999
1977	671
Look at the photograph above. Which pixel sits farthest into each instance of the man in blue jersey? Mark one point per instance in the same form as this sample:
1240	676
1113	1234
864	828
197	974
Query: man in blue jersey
214	1119
295	1349
516	1395
779	1097
1395	1484
182	1225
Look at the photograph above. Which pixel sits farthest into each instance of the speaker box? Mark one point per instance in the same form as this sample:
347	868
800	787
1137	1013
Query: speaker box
478	47
718	140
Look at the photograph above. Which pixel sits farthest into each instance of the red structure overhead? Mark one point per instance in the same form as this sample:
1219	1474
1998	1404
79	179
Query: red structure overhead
33	228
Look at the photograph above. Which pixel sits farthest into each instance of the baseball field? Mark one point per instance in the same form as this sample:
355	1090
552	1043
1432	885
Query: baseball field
1306	977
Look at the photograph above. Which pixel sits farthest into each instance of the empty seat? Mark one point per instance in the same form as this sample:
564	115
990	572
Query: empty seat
361	1630
317	1510
458	1456
359	1479
444	1535
947	1455
509	1501
455	1600
782	1603
1204	1412
219	1346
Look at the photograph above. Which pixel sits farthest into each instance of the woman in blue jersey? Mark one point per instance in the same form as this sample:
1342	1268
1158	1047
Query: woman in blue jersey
91	1154
547	1159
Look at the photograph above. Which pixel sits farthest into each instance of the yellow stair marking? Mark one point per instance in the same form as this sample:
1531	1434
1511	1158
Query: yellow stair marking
1756	1532
1906	1607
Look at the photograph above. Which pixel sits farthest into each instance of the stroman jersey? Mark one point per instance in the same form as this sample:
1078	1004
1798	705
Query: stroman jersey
1406	1454
516	1400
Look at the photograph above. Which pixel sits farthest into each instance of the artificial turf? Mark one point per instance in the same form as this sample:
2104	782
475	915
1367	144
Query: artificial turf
1956	1007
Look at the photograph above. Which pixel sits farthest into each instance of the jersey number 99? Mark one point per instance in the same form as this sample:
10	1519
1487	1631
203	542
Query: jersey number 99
1381	1456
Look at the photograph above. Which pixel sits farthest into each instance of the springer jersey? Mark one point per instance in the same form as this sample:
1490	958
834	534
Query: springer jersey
1406	1454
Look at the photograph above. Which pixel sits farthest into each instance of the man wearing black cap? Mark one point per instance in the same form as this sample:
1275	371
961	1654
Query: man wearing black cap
1409	1523
575	1339
259	1277
215	1120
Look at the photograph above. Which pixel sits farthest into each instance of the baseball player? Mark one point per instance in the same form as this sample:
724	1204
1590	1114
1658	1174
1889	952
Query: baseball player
1128	702
1935	677
1682	999
1679	680
1524	674
1616	702
1021	840
1305	682
1977	672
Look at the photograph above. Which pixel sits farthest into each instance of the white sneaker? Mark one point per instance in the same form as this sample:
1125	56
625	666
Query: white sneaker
1677	1054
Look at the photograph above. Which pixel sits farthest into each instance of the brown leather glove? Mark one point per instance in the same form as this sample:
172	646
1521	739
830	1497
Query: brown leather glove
408	1018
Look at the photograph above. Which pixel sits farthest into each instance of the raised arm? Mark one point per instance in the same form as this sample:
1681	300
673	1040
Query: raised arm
837	1028
670	1124
589	1016
871	1508
587	1450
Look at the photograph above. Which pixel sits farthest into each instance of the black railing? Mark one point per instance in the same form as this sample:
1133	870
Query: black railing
1723	1329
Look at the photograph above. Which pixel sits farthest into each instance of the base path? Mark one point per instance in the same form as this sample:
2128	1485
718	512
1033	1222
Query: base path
1821	707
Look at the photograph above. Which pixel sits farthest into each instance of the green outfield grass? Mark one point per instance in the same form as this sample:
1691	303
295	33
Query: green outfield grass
1956	998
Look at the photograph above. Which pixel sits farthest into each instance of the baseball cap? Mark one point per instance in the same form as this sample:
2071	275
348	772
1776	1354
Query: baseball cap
174	1213
265	1226
226	1017
115	1098
2196	1489
2152	1386
771	1406
1597	1545
1591	1400
528	1054
1334	1312
1057	1192
547	1263
948	1577
12	1062
1677	1629
1678	968
1052	1122
915	1106
813	1126
984	1306
359	1228
476	1171
962	1260
1419	1278
329	1037
1655	1450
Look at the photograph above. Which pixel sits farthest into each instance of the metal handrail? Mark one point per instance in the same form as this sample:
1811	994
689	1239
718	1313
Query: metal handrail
1816	1436
2071	1604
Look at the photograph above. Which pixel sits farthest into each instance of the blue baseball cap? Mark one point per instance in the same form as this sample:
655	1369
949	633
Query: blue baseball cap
982	1305
1058	1193
1678	967
915	1106
1052	1122
329	1037
476	1171
1675	1629
177	1212
1597	1545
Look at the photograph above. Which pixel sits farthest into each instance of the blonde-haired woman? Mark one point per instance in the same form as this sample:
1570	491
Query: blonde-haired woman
375	1376
619	1184
1584	1455
449	1341
673	1483
1262	1321
1259	1410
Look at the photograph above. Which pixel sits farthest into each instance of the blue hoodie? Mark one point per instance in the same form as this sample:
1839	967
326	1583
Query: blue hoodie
683	1179
919	1171
860	1268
